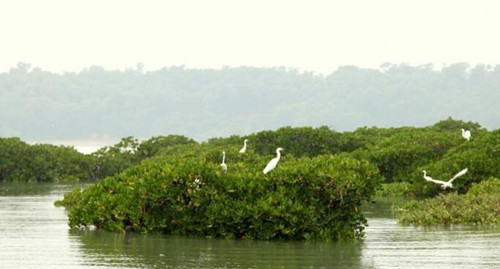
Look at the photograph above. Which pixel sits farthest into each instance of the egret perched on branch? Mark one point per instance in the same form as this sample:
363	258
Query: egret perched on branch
466	134
445	184
223	164
244	148
272	163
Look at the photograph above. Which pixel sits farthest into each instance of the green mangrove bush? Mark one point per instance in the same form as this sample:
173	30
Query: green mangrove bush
481	205
129	152
395	189
21	162
405	149
481	155
315	198
298	141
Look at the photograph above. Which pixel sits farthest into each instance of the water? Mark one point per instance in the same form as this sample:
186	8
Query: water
34	234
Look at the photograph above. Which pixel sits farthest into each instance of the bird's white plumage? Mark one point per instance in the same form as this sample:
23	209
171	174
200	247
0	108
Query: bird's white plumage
426	177
445	184
466	134
223	164
459	174
244	148
272	163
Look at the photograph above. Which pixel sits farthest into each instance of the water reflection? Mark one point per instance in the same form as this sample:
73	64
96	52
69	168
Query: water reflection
388	244
33	233
194	252
24	189
37	189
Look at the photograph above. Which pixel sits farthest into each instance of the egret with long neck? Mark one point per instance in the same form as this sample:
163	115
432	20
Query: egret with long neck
244	148
272	163
223	164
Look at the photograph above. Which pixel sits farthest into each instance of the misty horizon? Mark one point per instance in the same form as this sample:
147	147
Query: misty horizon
100	105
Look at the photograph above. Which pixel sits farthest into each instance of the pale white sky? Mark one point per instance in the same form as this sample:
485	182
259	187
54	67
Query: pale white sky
69	35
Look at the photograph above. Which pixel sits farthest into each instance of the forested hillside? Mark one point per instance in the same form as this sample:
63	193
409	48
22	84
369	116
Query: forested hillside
95	103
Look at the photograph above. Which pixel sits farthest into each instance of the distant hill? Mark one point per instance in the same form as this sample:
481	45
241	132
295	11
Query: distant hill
202	103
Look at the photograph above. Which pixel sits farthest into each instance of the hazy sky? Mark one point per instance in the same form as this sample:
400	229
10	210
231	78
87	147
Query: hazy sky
69	35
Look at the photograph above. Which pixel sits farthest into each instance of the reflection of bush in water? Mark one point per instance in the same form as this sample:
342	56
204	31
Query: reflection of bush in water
136	250
30	189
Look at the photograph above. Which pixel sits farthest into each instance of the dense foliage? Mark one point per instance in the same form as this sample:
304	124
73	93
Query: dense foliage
304	198
395	189
399	153
21	162
405	149
299	141
481	156
481	205
129	152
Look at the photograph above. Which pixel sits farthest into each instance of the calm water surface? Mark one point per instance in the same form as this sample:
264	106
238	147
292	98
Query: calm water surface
34	234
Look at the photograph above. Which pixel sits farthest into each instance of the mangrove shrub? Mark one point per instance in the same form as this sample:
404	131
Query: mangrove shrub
21	162
405	149
306	198
481	205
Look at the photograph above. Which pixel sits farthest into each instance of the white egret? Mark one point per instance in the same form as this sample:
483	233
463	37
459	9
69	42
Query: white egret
466	134
426	177
223	164
244	148
272	163
445	184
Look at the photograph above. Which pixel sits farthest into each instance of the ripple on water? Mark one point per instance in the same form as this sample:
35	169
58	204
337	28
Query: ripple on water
388	244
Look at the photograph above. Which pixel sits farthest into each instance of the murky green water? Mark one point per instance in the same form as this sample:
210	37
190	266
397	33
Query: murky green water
34	234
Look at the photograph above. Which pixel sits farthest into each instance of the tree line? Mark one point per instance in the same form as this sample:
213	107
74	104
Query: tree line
399	154
95	103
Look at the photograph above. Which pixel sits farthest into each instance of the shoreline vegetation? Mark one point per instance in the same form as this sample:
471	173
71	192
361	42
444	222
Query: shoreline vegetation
172	184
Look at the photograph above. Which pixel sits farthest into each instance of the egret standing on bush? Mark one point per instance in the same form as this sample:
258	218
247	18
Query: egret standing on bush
272	163
244	148
466	134
223	164
445	184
